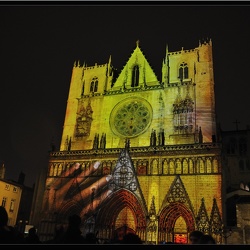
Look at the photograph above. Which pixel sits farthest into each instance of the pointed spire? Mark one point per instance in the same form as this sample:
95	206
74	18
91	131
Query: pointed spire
144	73
2	171
137	43
210	41
66	142
166	57
152	210
69	145
166	49
109	70
200	136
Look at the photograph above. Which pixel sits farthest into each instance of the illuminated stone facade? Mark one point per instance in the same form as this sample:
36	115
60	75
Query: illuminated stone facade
160	170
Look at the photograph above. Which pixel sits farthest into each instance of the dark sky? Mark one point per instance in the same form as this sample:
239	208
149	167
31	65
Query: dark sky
39	44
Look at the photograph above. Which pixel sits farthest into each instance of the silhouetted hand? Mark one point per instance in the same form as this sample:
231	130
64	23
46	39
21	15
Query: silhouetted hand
75	184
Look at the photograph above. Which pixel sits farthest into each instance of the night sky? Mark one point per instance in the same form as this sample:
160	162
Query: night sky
40	43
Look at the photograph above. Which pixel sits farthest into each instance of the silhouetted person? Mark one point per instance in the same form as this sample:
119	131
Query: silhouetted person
195	236
8	234
131	238
59	233
90	238
73	234
32	237
207	239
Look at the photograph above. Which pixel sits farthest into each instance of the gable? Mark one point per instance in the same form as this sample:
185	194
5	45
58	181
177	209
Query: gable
136	73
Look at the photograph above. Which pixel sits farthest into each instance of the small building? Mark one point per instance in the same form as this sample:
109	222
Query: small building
17	200
10	197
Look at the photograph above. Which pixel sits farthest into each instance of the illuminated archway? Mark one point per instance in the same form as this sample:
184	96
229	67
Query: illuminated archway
175	222
121	211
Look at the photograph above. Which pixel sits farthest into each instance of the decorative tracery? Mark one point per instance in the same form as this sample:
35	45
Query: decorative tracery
183	71
183	111
215	218
94	85
202	219
83	119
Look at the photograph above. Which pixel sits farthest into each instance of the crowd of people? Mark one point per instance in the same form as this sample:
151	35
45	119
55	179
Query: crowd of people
198	237
73	234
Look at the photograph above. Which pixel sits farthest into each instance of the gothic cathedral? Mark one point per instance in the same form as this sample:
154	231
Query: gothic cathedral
139	153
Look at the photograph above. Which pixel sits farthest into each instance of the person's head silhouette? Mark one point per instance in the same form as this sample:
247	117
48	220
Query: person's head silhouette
74	220
3	217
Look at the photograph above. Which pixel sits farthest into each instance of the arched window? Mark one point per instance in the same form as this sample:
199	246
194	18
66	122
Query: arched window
165	167
94	85
185	166
183	71
135	76
191	166
202	167
178	167
155	167
171	167
208	165
59	171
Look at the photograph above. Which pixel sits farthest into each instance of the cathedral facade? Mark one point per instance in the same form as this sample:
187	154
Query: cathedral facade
139	153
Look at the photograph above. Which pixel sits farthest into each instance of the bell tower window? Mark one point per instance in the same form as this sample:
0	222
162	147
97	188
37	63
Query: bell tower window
94	85
135	76
183	71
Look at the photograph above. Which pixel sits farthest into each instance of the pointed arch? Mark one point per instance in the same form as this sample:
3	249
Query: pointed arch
183	71
94	85
185	166
165	166
155	167
208	165
59	170
176	208
115	206
191	166
68	208
168	218
178	166
171	167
